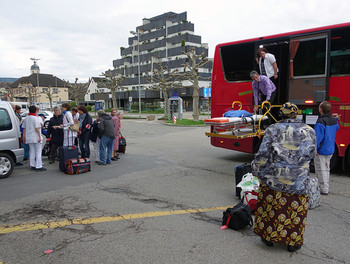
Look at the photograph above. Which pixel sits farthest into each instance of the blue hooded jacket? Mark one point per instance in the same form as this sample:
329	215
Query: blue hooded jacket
326	128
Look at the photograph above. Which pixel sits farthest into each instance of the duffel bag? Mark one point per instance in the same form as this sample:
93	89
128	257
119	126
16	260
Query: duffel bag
77	166
237	217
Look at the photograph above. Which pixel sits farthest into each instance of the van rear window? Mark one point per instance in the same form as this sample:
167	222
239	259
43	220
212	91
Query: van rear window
5	121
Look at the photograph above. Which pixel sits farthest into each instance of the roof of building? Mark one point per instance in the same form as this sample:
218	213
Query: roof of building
45	80
99	82
35	66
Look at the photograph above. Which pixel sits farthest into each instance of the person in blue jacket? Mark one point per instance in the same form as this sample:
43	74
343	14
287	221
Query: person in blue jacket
326	128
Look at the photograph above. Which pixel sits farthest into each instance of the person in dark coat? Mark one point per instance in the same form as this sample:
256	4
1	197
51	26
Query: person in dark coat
85	122
107	134
55	133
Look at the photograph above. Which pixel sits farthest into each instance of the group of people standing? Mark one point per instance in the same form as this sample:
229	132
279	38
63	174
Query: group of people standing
105	136
103	133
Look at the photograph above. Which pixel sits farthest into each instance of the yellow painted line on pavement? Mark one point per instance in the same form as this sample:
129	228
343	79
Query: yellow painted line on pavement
5	229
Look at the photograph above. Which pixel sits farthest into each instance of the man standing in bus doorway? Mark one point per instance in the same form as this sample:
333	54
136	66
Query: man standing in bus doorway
326	128
267	64
263	89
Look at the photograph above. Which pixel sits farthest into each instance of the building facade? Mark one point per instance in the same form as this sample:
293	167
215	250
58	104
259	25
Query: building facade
37	88
164	39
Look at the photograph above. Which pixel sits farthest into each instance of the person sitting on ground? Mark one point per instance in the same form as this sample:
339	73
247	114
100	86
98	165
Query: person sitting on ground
32	136
282	166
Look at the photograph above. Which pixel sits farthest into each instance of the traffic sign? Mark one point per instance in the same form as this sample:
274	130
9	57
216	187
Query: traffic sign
207	92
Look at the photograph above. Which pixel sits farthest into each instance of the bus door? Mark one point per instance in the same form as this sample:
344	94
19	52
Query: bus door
308	68
280	49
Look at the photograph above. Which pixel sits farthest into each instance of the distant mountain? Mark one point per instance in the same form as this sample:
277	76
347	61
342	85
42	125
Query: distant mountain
10	80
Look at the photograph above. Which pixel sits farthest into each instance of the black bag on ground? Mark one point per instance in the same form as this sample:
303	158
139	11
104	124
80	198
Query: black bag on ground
238	216
240	171
122	144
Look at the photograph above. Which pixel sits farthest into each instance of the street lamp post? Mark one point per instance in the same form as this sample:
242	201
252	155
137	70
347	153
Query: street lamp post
138	65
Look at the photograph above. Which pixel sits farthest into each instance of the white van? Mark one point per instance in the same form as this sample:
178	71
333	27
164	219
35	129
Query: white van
11	151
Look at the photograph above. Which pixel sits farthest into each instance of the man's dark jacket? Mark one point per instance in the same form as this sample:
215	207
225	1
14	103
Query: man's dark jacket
86	126
106	126
55	134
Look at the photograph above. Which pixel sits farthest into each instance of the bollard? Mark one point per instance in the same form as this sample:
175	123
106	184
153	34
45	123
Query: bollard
174	119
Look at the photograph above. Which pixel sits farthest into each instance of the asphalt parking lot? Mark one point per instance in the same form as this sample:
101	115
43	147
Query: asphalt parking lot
162	202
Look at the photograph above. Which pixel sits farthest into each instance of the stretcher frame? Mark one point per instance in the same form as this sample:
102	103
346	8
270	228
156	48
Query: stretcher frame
241	129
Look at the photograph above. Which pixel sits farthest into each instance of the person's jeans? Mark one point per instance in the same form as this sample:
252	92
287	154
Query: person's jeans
84	147
106	142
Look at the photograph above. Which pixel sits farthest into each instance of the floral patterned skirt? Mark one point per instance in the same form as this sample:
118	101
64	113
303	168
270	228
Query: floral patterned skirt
281	217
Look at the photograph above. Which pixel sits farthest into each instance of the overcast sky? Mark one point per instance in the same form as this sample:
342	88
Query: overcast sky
81	38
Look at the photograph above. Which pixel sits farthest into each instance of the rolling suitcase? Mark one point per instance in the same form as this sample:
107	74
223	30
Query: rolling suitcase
240	171
77	166
66	153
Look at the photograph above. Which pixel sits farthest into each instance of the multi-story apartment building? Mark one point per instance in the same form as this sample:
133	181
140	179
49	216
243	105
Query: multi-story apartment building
163	38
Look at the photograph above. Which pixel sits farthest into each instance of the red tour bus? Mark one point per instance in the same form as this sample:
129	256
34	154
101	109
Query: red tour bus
314	65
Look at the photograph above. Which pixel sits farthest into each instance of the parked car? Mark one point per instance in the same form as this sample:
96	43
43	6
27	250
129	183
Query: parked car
47	114
11	151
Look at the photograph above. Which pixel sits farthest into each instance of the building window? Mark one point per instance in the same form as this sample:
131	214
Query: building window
55	90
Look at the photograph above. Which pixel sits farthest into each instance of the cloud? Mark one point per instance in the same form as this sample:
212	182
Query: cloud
82	38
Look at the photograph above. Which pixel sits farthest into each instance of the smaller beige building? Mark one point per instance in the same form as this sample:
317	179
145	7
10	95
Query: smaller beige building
38	88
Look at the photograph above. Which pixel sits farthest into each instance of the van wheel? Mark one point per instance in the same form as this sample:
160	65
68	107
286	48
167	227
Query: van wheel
6	165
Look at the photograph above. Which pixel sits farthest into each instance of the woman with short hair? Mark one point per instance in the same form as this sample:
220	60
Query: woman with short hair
54	133
68	135
85	122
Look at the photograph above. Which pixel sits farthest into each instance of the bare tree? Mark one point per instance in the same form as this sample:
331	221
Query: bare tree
28	91
50	94
77	90
191	73
112	82
163	79
9	92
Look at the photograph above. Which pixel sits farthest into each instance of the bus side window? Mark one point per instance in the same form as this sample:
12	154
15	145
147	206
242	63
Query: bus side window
340	52
238	60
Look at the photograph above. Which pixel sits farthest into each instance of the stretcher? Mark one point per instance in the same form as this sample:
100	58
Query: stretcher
225	121
236	127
